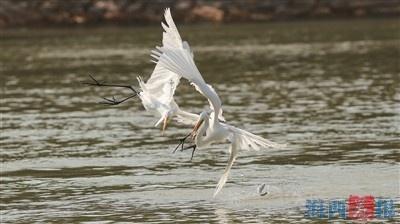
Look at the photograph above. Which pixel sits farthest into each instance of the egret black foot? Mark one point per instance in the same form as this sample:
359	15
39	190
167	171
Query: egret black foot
190	147
181	143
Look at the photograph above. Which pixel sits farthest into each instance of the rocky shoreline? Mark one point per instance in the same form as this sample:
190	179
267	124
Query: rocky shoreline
22	13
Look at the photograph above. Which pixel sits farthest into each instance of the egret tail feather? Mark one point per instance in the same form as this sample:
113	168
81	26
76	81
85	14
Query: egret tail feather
224	177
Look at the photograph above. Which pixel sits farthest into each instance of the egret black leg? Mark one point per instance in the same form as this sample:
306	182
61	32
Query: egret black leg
112	101
190	147
97	83
194	148
182	142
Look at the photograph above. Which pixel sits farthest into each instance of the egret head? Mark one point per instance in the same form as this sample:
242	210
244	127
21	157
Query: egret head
203	116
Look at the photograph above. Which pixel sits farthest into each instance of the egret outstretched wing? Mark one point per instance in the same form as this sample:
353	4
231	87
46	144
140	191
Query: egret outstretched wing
233	151
177	57
186	118
180	62
171	37
158	92
163	82
246	140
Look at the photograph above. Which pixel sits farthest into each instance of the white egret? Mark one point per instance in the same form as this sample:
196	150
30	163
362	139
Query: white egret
174	60
157	93
208	129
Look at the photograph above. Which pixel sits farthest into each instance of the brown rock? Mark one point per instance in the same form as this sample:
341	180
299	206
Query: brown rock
209	13
111	10
322	10
261	16
78	19
237	14
184	5
359	12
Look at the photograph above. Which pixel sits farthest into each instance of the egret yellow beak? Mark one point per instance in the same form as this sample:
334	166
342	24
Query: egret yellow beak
165	123
196	127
